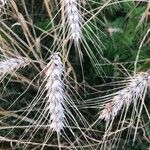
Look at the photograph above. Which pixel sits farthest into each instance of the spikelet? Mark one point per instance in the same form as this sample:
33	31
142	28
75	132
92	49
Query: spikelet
12	64
130	94
73	18
2	3
55	93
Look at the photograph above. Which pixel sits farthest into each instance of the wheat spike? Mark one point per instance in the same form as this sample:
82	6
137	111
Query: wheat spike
73	18
55	93
133	91
12	64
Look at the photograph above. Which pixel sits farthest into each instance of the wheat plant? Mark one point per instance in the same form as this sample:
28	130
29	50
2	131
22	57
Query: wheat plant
74	74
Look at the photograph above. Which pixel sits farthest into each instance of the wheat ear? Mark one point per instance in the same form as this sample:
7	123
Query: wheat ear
133	91
73	18
12	64
55	93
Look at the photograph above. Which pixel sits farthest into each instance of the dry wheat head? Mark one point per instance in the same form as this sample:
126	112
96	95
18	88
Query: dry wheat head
55	93
73	19
133	91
